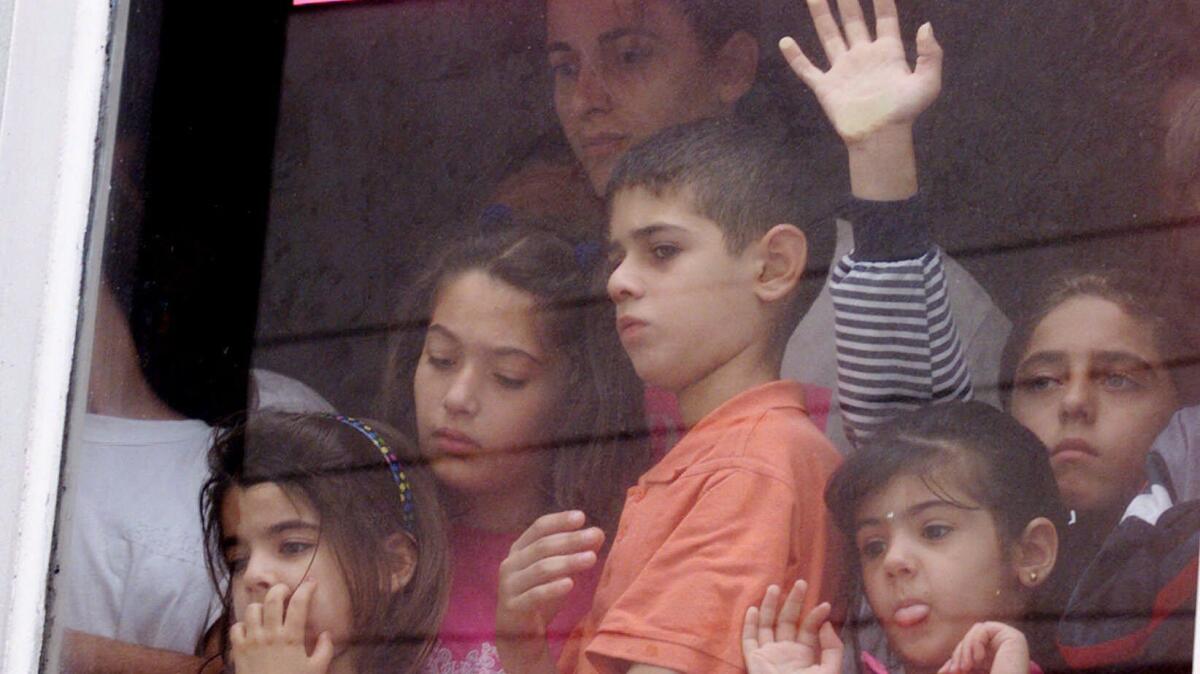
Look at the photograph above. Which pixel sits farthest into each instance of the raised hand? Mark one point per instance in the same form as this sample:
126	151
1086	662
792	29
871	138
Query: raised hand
992	647
535	579
869	85
775	645
267	641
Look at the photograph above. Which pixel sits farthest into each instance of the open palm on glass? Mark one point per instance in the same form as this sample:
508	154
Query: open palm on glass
869	85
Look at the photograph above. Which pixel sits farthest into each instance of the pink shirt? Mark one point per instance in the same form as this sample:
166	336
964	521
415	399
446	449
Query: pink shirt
467	639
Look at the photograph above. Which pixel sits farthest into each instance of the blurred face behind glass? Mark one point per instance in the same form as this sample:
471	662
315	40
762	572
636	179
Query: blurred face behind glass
486	389
1091	385
625	69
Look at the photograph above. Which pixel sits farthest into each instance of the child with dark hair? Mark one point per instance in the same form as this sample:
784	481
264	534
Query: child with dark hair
706	274
623	70
1145	570
1089	368
327	544
954	514
508	372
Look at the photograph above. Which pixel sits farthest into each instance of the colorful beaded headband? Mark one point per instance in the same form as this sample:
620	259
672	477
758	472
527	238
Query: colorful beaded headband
393	463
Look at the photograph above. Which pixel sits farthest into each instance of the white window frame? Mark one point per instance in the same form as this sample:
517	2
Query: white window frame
53	56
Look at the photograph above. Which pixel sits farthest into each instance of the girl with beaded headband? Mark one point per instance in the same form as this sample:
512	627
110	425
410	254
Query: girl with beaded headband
509	372
328	546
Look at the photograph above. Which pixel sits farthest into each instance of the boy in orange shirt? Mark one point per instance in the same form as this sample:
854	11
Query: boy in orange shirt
707	280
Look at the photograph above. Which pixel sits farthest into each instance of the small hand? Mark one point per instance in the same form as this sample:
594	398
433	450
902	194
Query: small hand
773	646
265	641
869	85
535	579
990	647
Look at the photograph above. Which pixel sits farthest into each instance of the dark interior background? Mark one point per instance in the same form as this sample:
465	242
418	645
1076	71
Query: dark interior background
294	167
396	119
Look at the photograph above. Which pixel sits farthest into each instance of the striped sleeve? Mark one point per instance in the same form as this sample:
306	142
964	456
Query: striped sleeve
897	346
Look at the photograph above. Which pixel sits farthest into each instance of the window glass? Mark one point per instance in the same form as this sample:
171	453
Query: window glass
550	257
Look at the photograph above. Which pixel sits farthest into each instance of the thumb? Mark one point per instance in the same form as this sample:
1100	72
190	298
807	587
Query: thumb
322	654
929	55
831	648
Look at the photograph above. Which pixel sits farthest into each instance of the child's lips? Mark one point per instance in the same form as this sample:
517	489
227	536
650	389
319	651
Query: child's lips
454	443
910	614
1072	448
629	327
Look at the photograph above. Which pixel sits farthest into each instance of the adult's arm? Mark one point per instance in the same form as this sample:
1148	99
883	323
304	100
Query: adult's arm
89	654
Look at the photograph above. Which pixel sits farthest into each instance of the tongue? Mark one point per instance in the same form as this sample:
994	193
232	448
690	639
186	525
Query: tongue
911	615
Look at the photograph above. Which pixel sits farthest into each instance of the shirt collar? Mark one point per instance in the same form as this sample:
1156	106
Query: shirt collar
779	394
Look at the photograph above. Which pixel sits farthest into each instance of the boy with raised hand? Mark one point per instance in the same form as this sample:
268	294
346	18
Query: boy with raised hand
706	269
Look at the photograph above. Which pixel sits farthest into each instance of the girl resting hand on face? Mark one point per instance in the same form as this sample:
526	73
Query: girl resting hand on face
328	546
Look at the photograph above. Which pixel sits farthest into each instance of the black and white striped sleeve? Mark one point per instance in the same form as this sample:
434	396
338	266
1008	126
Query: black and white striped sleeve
897	345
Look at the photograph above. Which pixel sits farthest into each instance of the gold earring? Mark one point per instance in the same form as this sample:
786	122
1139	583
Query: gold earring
1033	576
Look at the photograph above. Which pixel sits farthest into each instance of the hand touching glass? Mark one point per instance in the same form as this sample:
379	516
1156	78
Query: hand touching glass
869	85
774	644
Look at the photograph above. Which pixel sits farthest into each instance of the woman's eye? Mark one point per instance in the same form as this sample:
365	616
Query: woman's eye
235	563
935	532
634	55
511	382
563	70
439	362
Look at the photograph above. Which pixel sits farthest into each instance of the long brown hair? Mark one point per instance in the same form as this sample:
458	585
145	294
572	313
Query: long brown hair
599	450
339	471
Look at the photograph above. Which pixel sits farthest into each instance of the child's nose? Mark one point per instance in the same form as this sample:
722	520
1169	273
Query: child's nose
1078	401
622	284
259	576
898	560
461	397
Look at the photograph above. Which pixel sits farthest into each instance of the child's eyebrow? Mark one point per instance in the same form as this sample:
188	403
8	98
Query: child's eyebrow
1123	359
443	331
910	513
498	352
643	233
1043	358
503	351
292	525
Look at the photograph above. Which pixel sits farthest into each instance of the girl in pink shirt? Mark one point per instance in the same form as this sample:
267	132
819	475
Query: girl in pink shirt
509	373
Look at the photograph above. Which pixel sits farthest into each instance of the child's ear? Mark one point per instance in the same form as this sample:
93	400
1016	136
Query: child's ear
783	253
1035	553
401	553
737	67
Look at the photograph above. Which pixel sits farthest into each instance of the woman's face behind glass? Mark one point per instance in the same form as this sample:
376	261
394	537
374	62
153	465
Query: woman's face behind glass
625	69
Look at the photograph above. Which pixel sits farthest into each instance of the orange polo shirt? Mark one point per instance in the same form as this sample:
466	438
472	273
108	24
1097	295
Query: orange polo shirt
737	505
